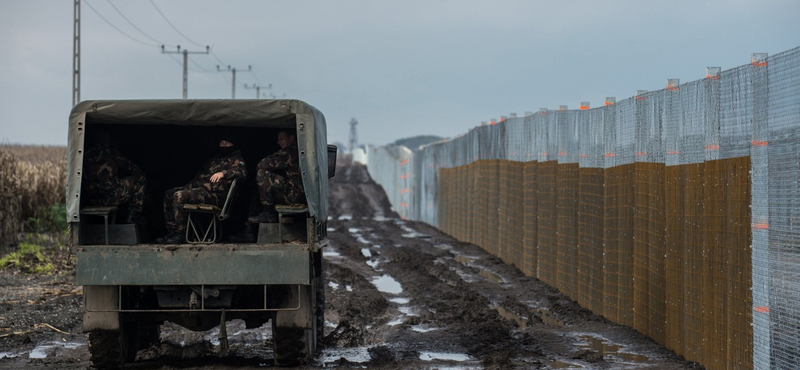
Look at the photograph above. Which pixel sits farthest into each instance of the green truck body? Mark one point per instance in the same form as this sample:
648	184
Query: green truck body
132	285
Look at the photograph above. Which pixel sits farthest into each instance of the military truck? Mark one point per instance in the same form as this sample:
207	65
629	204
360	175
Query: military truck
133	285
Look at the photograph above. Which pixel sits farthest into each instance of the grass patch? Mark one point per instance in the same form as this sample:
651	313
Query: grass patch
29	259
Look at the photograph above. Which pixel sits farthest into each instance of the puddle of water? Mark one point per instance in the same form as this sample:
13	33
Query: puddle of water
507	314
422	328
333	285
491	276
362	240
353	230
330	253
373	264
548	318
430	356
411	233
399	300
331	229
464	259
446	247
603	347
407	310
237	332
469	278
395	322
366	252
8	355
379	218
345	217
354	355
561	365
387	284
349	288
43	348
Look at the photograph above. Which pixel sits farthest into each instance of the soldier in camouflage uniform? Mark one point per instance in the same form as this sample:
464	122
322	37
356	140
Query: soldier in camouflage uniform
279	180
209	186
103	186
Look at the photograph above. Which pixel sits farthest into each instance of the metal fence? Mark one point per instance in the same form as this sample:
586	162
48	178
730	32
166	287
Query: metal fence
673	211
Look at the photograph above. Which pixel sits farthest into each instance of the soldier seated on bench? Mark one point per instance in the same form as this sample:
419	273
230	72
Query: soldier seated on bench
209	186
104	183
279	182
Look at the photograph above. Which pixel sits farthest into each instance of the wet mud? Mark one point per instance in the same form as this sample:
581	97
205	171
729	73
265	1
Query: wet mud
400	295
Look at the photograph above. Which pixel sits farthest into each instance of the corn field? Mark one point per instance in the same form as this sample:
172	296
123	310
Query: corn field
32	180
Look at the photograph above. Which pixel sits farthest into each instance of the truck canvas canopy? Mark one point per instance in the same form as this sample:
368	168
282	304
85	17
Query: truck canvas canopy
169	139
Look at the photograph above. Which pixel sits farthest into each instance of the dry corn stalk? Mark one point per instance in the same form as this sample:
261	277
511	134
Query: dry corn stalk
10	200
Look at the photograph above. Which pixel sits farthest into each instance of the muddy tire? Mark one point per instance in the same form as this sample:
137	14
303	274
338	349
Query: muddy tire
108	349
291	346
298	346
149	335
319	309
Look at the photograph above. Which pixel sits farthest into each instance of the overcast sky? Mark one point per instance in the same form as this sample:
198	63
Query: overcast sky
401	68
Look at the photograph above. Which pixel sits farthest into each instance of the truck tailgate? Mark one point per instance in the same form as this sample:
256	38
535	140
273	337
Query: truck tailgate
193	265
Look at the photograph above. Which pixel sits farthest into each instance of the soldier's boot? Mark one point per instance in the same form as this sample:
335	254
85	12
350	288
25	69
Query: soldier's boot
267	216
172	237
248	235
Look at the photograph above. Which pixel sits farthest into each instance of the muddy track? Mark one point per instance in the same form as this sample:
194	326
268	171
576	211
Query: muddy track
400	295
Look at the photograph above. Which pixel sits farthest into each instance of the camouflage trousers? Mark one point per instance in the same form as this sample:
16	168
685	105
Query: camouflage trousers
276	189
175	198
117	192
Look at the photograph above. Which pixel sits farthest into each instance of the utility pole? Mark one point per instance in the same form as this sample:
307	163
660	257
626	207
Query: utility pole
76	54
233	71
353	134
258	89
185	65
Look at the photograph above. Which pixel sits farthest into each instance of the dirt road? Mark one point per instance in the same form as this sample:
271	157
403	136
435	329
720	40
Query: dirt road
400	295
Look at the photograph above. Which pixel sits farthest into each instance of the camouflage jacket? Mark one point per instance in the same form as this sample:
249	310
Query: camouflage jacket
285	162
104	164
232	167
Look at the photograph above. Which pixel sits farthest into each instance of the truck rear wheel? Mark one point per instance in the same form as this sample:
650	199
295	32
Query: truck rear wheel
298	346
110	348
319	311
292	346
113	348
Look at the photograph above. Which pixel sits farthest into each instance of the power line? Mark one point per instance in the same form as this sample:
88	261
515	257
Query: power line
255	77
117	28
218	59
202	69
172	25
131	23
233	82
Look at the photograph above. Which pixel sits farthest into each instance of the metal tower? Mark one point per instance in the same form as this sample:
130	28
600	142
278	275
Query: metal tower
353	135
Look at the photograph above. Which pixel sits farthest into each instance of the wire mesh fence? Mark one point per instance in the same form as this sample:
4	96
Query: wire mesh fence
675	212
